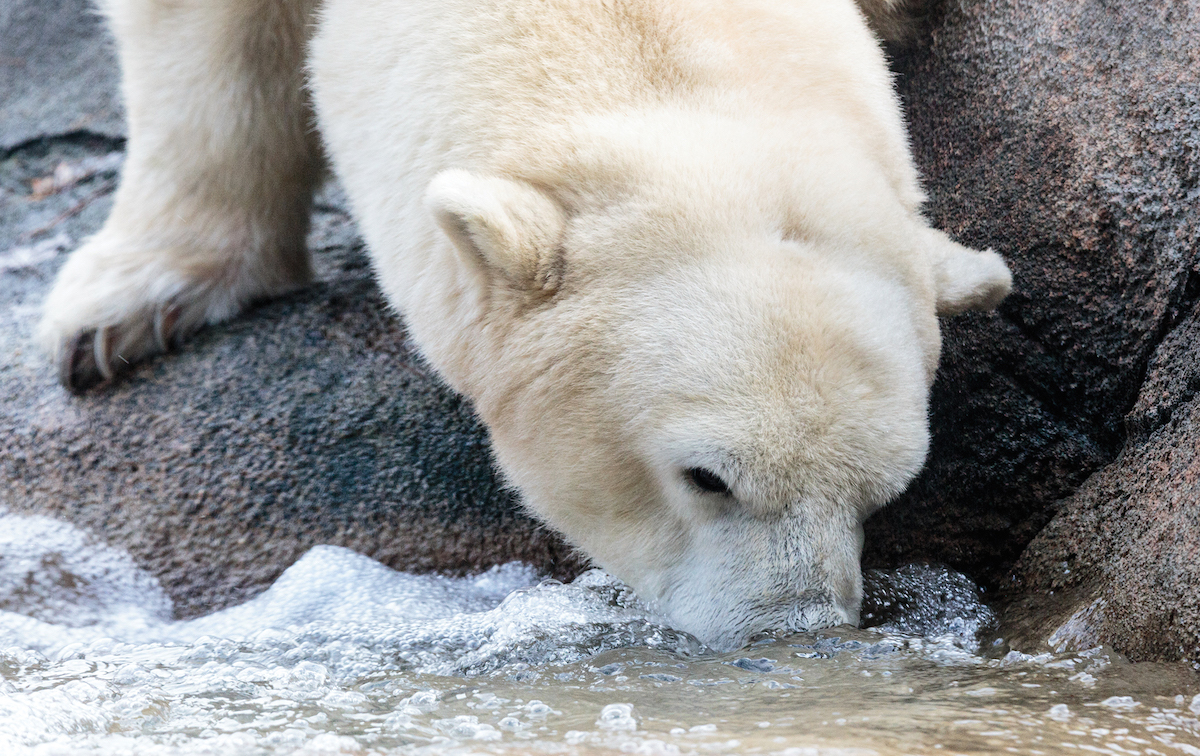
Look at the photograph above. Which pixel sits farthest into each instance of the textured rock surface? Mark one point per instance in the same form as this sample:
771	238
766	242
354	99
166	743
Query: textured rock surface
1120	563
58	72
1067	136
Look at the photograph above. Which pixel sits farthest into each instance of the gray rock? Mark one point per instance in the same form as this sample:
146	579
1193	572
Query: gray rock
1120	562
1067	136
58	72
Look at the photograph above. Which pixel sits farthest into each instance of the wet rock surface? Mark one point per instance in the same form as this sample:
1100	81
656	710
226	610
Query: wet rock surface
1120	563
1065	135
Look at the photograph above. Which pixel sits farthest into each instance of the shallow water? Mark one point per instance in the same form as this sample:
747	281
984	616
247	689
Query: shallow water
343	655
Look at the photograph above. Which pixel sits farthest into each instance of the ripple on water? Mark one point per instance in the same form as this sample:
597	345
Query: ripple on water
343	655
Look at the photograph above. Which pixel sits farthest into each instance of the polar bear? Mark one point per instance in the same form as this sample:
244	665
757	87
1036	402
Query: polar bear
671	249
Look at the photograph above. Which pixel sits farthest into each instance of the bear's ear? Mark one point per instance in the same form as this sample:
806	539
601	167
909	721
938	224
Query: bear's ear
504	227
966	279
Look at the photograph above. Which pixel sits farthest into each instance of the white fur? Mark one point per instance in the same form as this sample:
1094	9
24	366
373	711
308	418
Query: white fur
214	199
643	236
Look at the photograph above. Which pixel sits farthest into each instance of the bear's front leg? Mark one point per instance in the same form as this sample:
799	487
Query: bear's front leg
213	205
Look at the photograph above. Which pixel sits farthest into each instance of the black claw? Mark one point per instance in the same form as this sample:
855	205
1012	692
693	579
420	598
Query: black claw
77	370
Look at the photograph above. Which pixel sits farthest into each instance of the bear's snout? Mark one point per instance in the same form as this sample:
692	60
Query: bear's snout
816	611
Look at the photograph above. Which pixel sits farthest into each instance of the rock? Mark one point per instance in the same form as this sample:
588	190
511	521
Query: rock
1067	136
58	72
307	421
1172	379
1120	563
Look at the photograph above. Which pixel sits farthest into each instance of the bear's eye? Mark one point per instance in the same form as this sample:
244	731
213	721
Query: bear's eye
707	480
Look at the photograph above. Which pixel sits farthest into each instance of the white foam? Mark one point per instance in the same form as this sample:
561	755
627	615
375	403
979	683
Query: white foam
70	593
331	584
53	572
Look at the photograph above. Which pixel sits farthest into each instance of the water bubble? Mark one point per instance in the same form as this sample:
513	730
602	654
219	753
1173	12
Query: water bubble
306	677
538	710
399	721
754	665
344	699
577	737
1059	713
1015	657
617	717
510	724
1194	706
661	677
466	727
423	702
70	651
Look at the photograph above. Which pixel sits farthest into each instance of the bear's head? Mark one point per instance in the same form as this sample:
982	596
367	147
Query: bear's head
708	406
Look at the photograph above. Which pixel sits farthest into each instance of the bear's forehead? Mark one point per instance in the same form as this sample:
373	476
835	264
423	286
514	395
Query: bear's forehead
793	342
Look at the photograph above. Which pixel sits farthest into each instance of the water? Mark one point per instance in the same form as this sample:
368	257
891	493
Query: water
343	655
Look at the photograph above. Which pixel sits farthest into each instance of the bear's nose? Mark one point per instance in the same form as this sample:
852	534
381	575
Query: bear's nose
816	611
